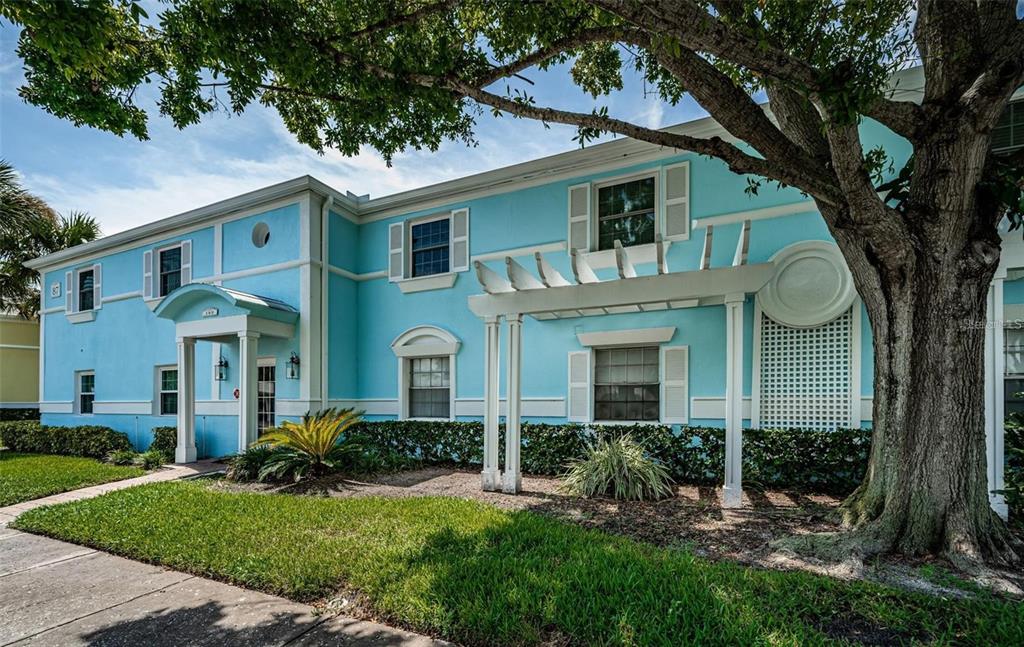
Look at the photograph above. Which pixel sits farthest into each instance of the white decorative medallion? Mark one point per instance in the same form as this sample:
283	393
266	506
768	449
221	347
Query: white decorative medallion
811	286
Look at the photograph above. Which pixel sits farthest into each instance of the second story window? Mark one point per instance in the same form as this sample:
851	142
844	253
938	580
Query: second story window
1008	134
430	247
626	212
170	270
86	295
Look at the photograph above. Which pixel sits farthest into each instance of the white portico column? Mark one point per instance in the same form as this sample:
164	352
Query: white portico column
247	342
492	334
185	452
994	396
512	478
732	493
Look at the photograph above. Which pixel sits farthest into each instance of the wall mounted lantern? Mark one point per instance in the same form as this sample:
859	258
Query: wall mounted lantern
291	368
222	369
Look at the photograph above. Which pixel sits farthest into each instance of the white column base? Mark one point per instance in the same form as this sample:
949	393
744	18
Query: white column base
491	480
511	482
998	503
732	497
185	454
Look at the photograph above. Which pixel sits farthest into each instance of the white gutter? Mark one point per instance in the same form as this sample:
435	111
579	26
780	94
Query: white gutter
325	217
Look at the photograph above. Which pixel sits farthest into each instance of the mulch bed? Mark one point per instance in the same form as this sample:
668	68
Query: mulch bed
694	518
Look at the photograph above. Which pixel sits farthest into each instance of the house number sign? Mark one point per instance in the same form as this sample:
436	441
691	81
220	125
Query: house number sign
210	312
55	289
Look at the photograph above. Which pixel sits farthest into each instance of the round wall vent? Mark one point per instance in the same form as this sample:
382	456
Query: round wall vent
811	286
260	234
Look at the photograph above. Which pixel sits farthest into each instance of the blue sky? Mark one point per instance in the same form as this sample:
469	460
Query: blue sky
124	182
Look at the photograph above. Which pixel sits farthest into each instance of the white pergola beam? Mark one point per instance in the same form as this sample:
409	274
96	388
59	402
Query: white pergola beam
659	288
705	253
520	278
584	273
491	281
626	269
549	276
742	245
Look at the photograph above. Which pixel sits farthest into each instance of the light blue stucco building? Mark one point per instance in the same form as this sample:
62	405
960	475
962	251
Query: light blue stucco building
618	283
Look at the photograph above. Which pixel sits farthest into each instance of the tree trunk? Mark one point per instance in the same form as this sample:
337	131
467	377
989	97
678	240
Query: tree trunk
925	491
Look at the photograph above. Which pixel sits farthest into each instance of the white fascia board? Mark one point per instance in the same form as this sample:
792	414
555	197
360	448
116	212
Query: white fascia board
680	286
632	337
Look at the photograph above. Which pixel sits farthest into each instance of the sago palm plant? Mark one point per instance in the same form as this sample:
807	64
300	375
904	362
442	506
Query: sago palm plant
619	468
314	446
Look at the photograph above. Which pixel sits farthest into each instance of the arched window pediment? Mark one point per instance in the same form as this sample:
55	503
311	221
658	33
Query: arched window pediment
425	341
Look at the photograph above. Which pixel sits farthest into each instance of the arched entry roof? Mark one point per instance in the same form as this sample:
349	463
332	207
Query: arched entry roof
182	304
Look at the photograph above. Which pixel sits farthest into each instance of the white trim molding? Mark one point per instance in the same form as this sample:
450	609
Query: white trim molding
631	337
538	407
18	347
19	405
54	406
369	406
713	408
82	317
217	407
424	283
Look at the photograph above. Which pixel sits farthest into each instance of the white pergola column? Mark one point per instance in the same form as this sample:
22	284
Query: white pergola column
185	452
512	477
247	348
994	394
491	474
732	493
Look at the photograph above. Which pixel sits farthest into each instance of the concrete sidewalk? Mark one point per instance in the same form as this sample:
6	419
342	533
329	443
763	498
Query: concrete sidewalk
167	473
54	593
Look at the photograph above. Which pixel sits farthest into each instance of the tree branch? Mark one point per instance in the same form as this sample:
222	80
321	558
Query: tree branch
404	19
905	118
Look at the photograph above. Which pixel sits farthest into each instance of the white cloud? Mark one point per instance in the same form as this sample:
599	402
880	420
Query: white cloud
182	170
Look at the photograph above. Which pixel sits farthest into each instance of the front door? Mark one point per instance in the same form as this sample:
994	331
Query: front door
265	394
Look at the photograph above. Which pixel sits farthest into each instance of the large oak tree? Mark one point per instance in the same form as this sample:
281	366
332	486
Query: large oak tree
412	73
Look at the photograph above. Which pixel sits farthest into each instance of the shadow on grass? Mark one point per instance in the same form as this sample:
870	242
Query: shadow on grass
527	581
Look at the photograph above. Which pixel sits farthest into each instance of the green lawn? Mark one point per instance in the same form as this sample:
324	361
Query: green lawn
479	575
30	476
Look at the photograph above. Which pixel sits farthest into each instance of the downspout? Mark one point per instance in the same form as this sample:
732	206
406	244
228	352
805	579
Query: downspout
325	271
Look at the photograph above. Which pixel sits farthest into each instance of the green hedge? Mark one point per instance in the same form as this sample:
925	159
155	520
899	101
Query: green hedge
832	461
19	414
30	437
165	441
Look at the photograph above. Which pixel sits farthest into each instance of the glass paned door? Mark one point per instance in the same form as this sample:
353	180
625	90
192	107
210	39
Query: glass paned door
265	395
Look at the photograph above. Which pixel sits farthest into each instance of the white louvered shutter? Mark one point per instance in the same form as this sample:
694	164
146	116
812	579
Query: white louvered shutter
676	180
579	217
97	286
186	262
69	292
460	240
147	274
396	251
674	388
579	386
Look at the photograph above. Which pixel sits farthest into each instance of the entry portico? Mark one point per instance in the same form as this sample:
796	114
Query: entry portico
217	314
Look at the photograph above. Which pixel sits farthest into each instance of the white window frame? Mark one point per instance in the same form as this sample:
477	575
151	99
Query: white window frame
78	288
423	220
595	218
158	390
425	341
407	366
79	393
156	268
593	384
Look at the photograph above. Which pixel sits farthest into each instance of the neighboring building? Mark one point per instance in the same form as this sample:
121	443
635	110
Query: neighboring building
638	284
19	363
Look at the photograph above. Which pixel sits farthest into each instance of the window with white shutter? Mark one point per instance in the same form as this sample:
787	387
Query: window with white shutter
97	286
675	395
69	292
579	217
676	201
186	262
429	246
579	386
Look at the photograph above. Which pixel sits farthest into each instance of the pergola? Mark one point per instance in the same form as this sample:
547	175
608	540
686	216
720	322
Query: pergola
549	295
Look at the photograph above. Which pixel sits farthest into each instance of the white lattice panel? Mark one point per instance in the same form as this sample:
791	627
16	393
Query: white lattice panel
806	374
